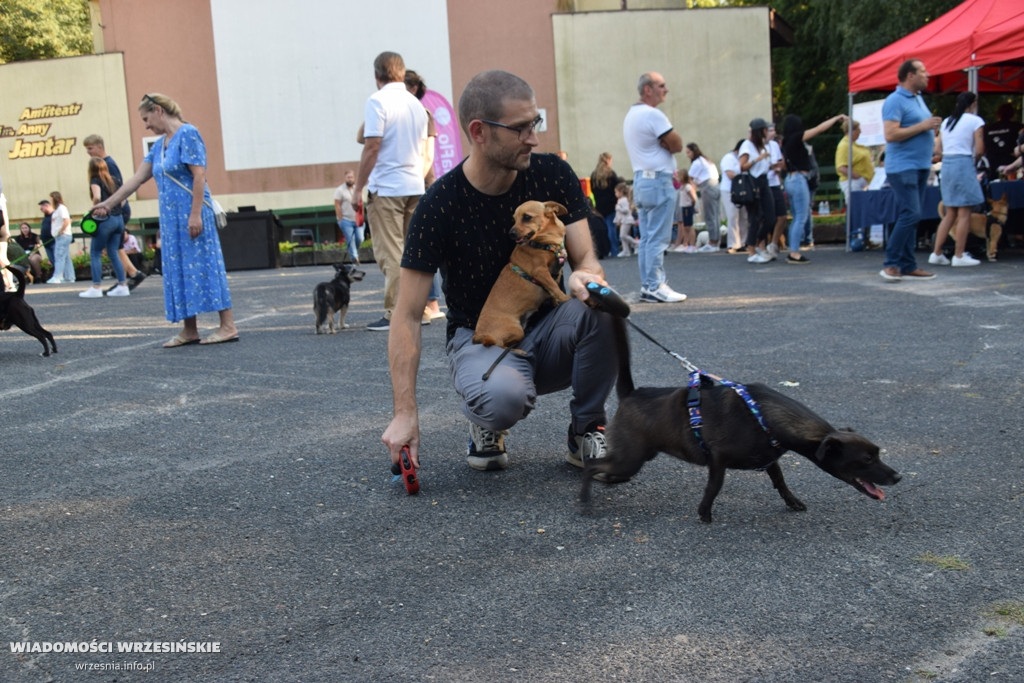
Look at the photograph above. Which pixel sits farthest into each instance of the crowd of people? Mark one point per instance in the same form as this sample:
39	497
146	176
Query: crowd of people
451	233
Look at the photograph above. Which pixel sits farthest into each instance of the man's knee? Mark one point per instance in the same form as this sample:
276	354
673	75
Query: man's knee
504	399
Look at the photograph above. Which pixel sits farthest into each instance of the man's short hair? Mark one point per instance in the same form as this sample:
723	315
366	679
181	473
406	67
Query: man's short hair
389	67
93	140
645	80
45	201
485	95
906	68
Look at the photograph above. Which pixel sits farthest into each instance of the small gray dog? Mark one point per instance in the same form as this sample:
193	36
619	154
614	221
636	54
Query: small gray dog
333	297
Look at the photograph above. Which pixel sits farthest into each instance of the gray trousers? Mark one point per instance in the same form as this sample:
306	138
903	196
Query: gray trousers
709	199
572	346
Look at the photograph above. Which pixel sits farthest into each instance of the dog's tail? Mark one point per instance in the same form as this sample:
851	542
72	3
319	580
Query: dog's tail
624	386
18	273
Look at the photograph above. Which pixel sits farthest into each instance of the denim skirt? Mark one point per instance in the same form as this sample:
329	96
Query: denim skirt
959	181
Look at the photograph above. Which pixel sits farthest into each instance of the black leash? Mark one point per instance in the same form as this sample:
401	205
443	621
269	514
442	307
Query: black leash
686	364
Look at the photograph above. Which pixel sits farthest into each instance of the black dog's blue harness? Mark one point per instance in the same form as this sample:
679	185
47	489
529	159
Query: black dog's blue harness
693	407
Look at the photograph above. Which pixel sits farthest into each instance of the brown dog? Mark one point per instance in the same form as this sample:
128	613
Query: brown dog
529	279
989	225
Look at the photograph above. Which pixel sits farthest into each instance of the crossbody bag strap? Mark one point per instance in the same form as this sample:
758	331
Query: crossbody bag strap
178	182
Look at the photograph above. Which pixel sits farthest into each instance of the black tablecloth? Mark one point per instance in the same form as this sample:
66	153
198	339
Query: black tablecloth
870	207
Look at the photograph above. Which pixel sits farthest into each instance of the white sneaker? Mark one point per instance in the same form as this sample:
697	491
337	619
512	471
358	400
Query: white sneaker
708	249
92	293
120	290
773	252
759	258
666	294
965	260
938	259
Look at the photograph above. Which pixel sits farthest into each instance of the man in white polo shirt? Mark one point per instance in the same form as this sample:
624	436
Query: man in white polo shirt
391	167
651	142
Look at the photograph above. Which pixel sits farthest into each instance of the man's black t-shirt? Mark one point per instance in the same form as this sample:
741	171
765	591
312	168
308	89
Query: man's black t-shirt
465	233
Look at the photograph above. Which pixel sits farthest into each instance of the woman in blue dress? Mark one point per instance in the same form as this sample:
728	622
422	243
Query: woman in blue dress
195	280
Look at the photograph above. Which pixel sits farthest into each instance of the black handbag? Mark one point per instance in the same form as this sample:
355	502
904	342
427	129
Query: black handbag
743	189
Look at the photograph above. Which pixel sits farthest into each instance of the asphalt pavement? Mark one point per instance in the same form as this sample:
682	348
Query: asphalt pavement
228	511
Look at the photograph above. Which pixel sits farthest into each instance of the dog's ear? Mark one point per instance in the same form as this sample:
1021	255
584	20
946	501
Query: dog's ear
555	208
828	446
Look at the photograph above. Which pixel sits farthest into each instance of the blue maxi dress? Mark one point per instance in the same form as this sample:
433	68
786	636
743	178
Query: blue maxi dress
195	280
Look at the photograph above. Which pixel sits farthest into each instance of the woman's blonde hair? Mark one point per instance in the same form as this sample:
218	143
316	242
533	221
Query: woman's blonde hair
603	171
57	198
153	100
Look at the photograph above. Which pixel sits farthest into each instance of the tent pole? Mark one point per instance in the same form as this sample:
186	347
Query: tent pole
849	166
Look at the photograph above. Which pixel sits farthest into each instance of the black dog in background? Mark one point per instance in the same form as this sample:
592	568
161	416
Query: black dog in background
14	311
653	420
333	297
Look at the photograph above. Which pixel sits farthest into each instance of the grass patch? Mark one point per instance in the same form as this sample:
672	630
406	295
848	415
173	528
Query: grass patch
1009	611
946	562
928	675
995	632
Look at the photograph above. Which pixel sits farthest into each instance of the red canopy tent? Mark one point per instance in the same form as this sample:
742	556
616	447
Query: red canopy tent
977	46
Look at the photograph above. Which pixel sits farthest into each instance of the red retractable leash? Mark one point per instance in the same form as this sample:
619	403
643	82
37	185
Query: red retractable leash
404	470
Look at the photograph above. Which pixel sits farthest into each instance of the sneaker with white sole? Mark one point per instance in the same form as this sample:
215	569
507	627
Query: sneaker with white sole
119	290
92	293
662	294
965	260
708	249
382	325
772	251
759	257
938	260
486	449
590	445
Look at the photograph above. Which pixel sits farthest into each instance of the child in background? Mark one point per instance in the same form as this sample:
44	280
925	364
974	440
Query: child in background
624	220
686	238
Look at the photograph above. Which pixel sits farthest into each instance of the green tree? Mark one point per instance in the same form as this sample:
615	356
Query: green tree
41	29
810	77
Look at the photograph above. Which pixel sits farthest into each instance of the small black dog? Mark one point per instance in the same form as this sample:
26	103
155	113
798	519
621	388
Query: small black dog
14	311
333	297
656	420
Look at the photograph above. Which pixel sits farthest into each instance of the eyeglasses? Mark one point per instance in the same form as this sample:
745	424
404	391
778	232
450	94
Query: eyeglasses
524	132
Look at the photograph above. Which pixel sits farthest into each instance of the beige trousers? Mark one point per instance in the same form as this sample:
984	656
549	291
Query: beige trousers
389	221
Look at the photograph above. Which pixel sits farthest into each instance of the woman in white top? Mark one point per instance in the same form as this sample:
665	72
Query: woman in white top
961	142
754	158
705	175
735	216
63	268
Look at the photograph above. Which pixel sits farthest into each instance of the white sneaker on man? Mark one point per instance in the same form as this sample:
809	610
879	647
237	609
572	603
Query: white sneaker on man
965	260
938	259
92	293
663	294
120	290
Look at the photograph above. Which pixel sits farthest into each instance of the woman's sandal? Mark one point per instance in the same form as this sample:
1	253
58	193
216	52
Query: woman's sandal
215	338
177	340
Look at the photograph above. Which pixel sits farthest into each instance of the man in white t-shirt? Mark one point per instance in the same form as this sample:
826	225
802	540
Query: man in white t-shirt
391	168
651	141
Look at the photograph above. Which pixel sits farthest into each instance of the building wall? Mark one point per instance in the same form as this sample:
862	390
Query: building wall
47	109
583	67
716	63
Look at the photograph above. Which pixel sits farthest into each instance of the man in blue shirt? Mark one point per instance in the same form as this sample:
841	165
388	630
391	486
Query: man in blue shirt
910	146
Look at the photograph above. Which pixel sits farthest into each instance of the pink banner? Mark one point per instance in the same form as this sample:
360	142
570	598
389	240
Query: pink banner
448	148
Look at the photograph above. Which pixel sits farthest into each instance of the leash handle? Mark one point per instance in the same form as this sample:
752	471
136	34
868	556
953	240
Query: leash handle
404	470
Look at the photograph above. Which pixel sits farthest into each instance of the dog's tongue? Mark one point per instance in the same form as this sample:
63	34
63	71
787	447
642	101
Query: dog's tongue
871	489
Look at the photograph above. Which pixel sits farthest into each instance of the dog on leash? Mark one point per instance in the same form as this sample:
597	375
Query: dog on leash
729	435
333	297
989	225
15	311
530	278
